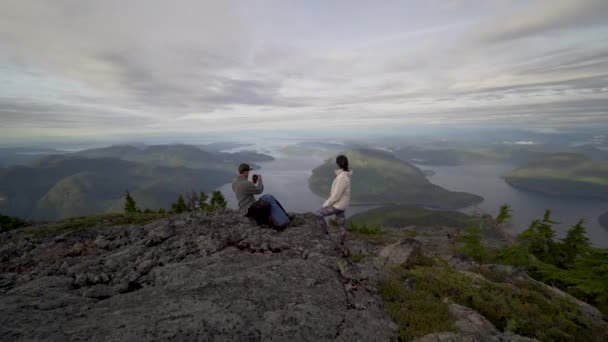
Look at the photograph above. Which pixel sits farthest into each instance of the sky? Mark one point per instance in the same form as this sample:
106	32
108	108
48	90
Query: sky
142	67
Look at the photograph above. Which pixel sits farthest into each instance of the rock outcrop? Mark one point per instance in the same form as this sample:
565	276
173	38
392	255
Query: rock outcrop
218	277
194	277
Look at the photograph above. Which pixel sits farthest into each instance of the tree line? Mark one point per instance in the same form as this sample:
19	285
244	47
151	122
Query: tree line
571	263
193	201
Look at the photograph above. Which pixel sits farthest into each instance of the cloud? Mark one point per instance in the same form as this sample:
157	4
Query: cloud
153	66
548	16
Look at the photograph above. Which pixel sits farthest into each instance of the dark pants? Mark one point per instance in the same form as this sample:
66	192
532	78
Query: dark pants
259	211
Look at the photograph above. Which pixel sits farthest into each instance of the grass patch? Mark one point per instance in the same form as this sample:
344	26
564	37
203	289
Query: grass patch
84	222
358	257
363	228
419	310
398	216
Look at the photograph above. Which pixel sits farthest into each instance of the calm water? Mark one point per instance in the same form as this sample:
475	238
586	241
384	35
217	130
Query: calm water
287	179
486	181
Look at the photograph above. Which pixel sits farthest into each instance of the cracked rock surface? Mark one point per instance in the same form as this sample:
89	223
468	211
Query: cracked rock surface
192	277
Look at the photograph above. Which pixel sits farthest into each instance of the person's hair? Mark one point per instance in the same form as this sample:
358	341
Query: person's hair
342	162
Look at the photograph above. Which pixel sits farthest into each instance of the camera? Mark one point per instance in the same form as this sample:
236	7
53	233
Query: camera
255	178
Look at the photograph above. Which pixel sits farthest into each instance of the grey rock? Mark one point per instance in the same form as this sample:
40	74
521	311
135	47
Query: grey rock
474	327
100	292
205	277
471	322
399	253
449	337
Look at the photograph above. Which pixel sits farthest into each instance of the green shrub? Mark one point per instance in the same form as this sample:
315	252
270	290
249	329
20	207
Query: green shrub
9	223
363	229
522	310
416	312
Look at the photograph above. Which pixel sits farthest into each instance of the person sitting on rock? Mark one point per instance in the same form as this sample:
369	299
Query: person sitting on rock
244	190
339	199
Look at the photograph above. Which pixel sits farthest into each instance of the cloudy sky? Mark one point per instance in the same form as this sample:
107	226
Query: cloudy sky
92	68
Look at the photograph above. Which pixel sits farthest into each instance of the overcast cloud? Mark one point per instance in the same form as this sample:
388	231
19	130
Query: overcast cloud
81	68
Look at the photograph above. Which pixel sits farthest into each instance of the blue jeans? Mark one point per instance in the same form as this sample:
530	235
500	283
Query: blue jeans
340	220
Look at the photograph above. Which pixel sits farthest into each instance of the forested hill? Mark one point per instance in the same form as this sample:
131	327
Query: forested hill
380	178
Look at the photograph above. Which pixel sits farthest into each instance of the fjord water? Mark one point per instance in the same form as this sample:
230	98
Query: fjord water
486	181
287	179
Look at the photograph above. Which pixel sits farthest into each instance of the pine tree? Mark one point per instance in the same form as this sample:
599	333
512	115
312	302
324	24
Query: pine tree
218	201
130	205
179	206
202	201
504	214
575	242
472	242
538	238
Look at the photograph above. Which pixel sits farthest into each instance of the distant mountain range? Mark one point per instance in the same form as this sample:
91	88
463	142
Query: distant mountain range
95	181
380	178
514	153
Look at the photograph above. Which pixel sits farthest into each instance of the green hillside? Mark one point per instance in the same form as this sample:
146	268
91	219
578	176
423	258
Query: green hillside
563	174
69	186
403	216
380	178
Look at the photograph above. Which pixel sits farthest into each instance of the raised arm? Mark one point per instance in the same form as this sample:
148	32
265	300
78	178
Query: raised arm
253	189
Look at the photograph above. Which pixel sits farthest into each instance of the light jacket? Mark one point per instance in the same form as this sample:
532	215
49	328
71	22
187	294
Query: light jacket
340	191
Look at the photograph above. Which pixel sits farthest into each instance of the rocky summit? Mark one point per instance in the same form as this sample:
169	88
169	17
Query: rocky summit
218	277
193	277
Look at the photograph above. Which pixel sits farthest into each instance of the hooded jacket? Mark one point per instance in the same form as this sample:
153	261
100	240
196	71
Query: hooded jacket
340	191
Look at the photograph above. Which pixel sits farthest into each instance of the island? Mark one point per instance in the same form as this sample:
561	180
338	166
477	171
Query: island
379	178
563	174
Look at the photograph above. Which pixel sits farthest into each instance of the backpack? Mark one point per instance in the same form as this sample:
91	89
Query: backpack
278	218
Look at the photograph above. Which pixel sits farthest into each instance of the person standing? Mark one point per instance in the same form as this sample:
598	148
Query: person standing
339	199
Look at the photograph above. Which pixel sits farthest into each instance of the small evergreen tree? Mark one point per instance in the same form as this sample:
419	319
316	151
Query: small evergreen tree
161	211
217	201
575	242
504	214
202	201
148	211
179	206
538	238
472	242
130	205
